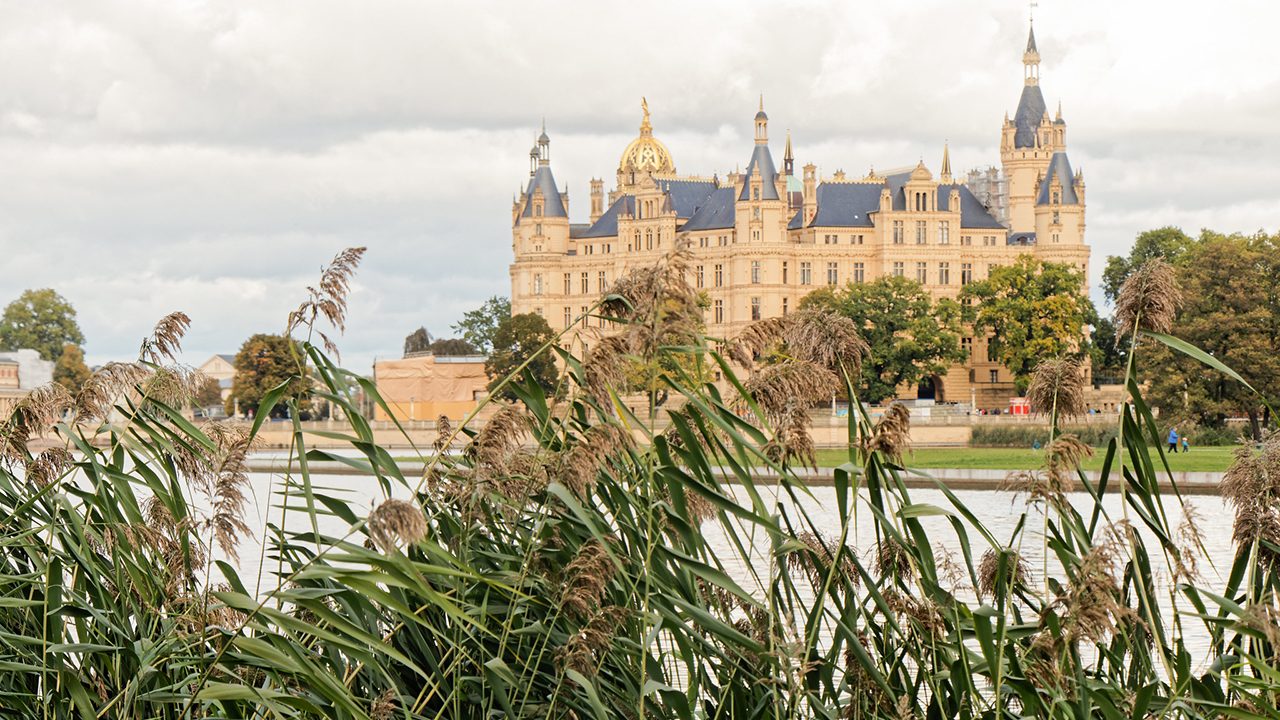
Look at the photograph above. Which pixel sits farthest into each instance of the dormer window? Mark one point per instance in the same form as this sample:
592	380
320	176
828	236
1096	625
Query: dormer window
1057	197
755	193
537	210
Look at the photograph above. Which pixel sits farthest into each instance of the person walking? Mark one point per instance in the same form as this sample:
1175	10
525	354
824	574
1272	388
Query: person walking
1173	440
1186	444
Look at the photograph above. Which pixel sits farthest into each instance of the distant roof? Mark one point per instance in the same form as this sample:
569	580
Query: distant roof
717	212
851	204
229	358
544	181
846	204
1021	238
576	229
762	158
1031	110
1059	169
607	224
687	195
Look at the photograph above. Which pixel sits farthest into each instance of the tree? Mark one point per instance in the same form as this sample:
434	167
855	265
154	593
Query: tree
1108	355
1167	243
911	337
208	394
417	341
480	326
452	346
516	340
263	362
41	320
70	371
1231	310
1033	310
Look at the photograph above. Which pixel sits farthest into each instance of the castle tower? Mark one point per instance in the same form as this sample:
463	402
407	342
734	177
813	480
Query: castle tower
945	175
540	228
761	210
1028	142
597	199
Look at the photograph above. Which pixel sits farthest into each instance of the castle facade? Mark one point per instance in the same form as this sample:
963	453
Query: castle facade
764	238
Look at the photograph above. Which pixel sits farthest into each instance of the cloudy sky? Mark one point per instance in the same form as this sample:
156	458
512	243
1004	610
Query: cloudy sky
211	156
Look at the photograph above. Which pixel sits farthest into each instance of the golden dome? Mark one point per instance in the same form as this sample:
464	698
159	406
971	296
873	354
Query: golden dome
646	154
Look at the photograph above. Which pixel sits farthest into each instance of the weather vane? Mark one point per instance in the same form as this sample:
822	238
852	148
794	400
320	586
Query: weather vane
1032	11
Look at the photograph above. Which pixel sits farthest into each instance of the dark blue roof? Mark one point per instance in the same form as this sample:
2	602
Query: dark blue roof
1021	238
1031	110
1059	168
607	224
716	213
576	229
846	204
796	220
850	204
768	175
687	195
543	180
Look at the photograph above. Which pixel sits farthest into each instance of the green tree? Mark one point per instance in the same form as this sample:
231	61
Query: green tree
1167	243
263	362
417	341
1032	310
41	320
911	336
70	371
452	346
1107	354
1231	310
480	326
516	340
208	394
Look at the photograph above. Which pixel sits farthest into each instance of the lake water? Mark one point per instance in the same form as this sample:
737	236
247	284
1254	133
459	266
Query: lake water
998	511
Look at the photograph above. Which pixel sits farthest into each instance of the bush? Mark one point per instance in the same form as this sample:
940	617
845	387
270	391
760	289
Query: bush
1023	436
1215	437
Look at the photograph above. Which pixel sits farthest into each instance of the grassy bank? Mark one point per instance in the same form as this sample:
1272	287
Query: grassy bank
1205	459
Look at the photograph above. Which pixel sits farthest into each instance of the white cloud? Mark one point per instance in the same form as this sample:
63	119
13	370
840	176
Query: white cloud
211	156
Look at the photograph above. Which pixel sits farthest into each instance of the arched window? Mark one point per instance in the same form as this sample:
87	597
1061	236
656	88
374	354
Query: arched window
648	239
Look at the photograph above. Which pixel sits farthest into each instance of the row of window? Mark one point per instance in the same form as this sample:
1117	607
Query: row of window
835	239
922	233
899	269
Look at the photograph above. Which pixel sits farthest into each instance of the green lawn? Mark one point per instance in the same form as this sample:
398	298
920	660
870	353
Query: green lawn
1211	459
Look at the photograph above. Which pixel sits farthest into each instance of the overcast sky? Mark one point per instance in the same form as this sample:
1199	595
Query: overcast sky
211	156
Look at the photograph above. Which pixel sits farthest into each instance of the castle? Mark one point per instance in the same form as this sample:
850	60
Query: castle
763	239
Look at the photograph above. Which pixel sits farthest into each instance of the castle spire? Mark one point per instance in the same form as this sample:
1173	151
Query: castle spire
762	124
946	163
1031	59
788	160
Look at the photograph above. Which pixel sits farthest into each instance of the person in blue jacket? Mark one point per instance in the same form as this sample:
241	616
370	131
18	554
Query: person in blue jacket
1173	440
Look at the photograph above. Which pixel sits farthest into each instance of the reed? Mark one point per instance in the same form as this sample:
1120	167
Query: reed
560	566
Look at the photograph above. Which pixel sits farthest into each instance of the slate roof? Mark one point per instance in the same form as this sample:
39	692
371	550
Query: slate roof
553	204
607	224
1021	238
716	213
846	204
851	204
687	195
761	158
576	229
1031	110
1060	168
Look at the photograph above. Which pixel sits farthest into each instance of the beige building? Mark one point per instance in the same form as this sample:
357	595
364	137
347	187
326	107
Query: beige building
222	369
21	371
425	386
765	238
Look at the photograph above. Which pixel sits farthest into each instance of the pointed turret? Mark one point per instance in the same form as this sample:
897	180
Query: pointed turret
761	164
788	160
1031	59
946	163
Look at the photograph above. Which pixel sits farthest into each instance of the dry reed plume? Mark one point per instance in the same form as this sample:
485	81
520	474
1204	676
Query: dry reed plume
586	578
108	383
166	340
893	561
384	706
1252	487
1057	386
992	577
891	434
585	647
444	433
819	555
396	521
328	299
1149	299
1093	605
588	457
816	336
